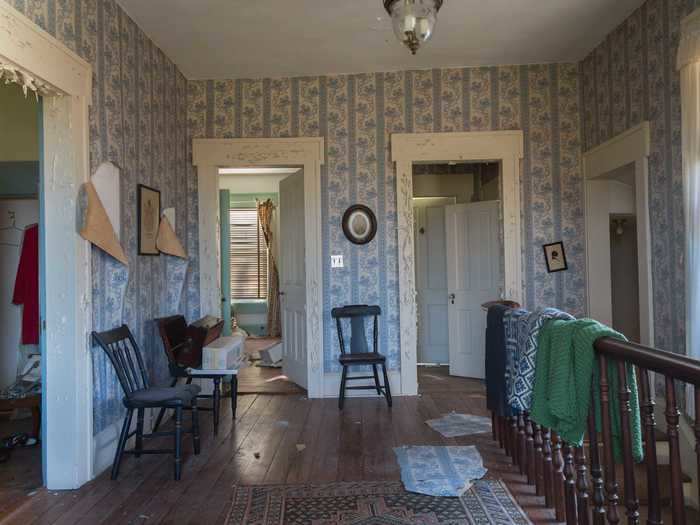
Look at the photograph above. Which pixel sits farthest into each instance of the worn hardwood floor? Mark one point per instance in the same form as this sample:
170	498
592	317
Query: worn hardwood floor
261	447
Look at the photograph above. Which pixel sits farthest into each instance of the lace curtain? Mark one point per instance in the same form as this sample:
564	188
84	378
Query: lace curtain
265	210
688	63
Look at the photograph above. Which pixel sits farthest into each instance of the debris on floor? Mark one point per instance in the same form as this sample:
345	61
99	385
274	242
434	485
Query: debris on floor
454	425
300	447
439	471
256	455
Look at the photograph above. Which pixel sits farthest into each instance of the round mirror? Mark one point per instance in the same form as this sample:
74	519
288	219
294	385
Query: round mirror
359	224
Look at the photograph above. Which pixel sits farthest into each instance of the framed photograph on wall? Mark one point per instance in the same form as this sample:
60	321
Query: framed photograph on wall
555	257
148	219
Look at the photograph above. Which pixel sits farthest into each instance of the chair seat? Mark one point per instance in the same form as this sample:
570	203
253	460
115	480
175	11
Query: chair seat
361	359
179	395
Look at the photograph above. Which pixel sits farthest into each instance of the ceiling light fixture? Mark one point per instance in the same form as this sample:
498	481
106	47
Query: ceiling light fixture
413	20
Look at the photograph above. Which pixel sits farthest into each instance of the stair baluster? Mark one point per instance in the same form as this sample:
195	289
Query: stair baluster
610	483
547	467
529	448
596	470
672	420
558	478
538	460
569	485
631	501
513	436
522	453
647	409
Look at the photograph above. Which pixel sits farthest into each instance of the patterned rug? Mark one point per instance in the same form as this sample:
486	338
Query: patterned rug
487	502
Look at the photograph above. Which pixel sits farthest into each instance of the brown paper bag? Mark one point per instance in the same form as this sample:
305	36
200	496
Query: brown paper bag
97	227
167	241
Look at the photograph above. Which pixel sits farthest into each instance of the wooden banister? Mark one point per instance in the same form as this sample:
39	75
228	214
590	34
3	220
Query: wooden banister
591	493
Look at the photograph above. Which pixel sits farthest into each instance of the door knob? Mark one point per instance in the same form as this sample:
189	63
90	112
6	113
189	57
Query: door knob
452	298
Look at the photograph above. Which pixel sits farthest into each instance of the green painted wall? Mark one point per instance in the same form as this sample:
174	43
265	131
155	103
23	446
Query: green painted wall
19	124
19	142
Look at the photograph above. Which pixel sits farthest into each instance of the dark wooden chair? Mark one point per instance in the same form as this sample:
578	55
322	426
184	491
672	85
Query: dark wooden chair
178	347
359	351
125	356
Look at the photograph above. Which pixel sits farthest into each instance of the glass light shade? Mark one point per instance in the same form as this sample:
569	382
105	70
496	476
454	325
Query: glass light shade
414	21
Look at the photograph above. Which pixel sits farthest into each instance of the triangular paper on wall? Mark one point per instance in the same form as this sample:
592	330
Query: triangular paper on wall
167	241
97	227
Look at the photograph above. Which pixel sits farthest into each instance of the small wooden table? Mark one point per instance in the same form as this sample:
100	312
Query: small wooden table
216	376
32	402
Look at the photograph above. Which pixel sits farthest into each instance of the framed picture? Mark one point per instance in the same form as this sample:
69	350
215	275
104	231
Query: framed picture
359	224
148	219
555	257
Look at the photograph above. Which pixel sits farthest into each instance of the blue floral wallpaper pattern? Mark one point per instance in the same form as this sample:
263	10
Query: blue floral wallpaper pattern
138	121
630	77
357	115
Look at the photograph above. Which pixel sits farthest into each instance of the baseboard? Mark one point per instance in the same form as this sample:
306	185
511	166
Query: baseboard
331	385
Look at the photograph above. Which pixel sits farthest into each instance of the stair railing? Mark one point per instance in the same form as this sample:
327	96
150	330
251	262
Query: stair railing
580	482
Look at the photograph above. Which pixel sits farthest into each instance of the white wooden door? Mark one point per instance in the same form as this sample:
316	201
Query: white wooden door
431	278
292	270
473	277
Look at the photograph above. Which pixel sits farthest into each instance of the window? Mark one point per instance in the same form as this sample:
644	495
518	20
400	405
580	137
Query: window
248	255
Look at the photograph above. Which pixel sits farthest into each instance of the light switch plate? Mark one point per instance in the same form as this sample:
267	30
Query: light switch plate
336	261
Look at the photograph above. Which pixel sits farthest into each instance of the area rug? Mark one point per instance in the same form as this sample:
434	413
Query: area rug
455	425
439	471
487	502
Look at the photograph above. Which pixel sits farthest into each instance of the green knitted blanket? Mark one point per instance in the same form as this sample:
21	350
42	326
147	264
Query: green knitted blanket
566	368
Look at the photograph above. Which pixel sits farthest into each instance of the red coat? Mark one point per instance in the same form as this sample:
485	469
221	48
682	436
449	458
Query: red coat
27	286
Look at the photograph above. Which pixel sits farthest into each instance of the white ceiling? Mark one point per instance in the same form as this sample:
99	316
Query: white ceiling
278	38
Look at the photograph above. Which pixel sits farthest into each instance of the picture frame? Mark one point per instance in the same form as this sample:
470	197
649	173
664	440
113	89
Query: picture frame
359	224
555	257
148	202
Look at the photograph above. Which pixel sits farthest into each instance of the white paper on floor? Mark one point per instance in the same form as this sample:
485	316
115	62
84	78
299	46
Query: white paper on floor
454	425
439	471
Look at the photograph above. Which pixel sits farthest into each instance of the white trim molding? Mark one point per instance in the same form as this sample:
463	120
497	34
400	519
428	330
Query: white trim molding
66	359
628	148
505	147
208	155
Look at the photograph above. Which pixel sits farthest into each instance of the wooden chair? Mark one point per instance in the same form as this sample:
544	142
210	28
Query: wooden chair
125	356
178	349
359	351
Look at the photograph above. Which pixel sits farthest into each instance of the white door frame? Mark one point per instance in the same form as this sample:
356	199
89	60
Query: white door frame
630	147
208	155
505	147
66	363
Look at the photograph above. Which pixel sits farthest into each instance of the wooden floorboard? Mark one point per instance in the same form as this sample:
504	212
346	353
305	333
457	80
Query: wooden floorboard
277	439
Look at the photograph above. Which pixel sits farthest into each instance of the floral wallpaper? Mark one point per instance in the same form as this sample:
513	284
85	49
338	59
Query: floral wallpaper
630	77
138	122
357	115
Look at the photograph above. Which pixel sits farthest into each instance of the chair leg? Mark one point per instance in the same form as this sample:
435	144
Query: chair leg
234	395
178	442
122	443
217	401
376	380
195	427
139	432
161	412
387	389
341	397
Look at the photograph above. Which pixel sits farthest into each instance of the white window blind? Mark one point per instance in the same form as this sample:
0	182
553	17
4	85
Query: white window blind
248	255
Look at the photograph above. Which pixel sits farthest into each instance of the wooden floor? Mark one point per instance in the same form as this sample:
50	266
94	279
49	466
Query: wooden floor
263	380
261	447
21	474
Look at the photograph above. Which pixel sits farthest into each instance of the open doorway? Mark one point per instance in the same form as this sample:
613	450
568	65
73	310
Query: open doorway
20	355
618	256
262	272
458	264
